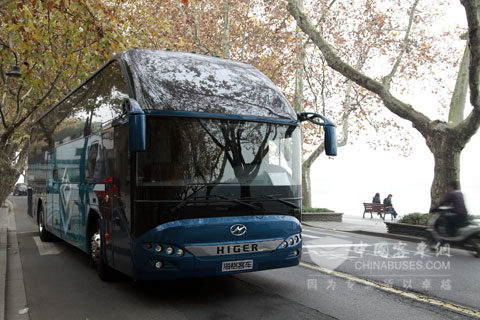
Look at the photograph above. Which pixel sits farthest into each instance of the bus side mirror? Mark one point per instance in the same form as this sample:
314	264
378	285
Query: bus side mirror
137	126
330	137
330	140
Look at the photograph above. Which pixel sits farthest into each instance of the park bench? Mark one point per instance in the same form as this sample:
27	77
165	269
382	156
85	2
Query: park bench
377	208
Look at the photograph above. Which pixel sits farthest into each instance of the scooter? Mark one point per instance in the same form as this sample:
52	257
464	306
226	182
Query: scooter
467	236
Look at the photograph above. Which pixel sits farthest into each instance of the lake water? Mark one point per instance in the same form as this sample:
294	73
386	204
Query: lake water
358	172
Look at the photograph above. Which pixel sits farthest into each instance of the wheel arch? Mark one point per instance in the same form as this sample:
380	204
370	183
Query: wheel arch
92	219
40	207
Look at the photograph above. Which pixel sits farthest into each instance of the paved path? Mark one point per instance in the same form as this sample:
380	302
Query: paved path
3	258
351	223
374	227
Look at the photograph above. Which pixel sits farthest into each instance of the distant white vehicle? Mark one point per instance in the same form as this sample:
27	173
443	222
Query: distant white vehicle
20	189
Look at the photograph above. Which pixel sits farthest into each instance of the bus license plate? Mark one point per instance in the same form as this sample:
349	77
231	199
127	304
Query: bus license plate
237	265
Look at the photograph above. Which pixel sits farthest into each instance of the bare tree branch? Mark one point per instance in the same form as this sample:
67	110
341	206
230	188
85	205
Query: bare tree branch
470	125
6	135
195	34
2	103
403	110
459	96
226	32
388	79
472	13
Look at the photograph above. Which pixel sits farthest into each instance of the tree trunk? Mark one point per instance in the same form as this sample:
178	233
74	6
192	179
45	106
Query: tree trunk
298	107
306	181
9	175
447	165
306	187
226	32
11	167
459	97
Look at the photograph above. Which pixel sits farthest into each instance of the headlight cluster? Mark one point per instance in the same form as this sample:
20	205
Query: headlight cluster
165	250
292	241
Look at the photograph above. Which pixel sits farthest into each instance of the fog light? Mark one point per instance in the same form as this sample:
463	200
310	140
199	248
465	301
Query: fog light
296	252
169	250
180	252
290	241
284	244
158	248
159	264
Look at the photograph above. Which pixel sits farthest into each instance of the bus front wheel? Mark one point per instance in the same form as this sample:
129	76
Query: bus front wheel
45	236
97	254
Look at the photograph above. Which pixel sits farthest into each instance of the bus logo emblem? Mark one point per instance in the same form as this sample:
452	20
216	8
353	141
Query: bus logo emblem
238	230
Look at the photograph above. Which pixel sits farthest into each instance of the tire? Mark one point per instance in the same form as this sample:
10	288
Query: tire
97	255
45	236
431	243
475	243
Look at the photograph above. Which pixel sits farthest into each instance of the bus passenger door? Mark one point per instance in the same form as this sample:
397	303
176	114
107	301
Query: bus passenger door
115	150
52	207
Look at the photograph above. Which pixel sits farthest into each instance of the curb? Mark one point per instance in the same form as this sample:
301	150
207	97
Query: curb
374	234
3	258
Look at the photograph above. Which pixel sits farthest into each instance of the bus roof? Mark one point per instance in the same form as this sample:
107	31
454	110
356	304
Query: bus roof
167	80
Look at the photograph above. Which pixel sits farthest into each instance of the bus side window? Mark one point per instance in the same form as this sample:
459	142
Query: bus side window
91	161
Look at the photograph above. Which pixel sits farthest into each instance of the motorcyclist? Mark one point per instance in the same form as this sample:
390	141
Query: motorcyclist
458	216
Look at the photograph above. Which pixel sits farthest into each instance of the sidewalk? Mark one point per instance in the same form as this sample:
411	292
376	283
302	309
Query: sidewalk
3	258
373	227
10	264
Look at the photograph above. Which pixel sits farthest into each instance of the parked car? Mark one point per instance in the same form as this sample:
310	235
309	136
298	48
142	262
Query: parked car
20	189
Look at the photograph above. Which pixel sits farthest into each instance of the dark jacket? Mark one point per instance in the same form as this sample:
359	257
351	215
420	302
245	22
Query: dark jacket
387	202
455	198
376	199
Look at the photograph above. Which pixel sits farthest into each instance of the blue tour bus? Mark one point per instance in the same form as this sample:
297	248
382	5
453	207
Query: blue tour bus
164	165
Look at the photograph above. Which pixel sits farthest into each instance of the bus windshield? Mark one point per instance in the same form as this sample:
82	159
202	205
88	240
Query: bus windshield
198	168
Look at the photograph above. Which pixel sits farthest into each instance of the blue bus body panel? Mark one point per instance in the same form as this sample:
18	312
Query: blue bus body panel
164	84
185	234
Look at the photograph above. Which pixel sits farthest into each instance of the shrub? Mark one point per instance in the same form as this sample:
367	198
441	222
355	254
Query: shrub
415	218
308	209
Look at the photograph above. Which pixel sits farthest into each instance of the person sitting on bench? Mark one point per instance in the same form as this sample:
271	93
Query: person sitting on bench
387	203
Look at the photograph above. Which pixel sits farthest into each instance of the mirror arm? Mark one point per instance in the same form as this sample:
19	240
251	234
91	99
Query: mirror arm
310	116
131	106
136	126
328	127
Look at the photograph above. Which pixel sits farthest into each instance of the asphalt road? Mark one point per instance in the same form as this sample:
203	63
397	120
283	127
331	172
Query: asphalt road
59	284
447	274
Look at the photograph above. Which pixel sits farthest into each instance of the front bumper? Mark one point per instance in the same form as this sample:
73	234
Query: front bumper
272	242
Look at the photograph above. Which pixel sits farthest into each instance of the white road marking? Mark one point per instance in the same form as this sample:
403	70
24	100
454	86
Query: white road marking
327	233
47	248
339	245
310	236
25	232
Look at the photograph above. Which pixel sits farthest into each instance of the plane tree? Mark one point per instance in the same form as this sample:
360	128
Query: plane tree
55	44
445	138
320	89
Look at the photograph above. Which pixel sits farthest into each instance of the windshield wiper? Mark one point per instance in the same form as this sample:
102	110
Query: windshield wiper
238	201
283	200
254	207
186	200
